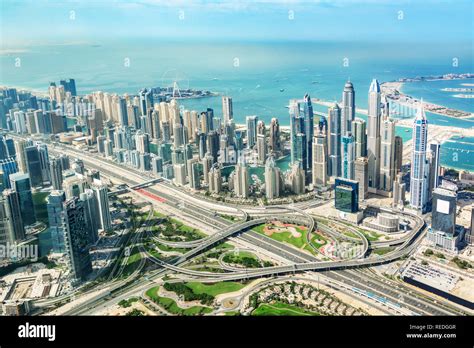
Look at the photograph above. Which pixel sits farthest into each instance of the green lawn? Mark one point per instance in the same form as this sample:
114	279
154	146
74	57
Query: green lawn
280	308
171	306
382	251
351	234
245	258
370	235
171	228
224	246
298	242
214	289
166	248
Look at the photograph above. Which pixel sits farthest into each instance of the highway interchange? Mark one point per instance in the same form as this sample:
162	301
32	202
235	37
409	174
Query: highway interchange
354	273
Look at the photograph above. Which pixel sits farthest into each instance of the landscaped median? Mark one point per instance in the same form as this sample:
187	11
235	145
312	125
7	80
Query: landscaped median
191	291
291	234
172	307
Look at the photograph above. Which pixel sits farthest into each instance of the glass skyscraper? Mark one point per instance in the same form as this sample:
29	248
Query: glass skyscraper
21	184
346	195
419	167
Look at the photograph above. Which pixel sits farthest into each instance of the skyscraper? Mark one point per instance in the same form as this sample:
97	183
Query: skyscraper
320	165
300	154
348	158
334	149
76	238
20	146
373	135
21	184
361	172
360	137
272	179
348	108
194	174
179	174
227	109
387	155
69	86
296	126
433	160
241	179
215	179
251	122
13	214
301	123
261	148
443	218
419	169
274	134
101	194
143	142
8	166
34	165
346	195
44	162
6	233
213	145
398	155
91	214
207	162
297	179
399	189
308	130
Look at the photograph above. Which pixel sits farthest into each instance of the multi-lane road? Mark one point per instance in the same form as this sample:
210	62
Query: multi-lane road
205	212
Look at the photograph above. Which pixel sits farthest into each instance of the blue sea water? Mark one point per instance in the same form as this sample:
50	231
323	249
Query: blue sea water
261	77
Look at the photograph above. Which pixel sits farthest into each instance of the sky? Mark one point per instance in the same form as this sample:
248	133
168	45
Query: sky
36	22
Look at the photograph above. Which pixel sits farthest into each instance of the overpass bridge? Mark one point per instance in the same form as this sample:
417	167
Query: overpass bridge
135	187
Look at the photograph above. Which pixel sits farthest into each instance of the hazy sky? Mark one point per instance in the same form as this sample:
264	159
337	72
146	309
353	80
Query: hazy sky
25	22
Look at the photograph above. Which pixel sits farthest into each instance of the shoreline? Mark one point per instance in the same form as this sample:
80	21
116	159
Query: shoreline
393	91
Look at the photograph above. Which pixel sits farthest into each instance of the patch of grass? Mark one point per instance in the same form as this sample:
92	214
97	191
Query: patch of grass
298	242
224	246
214	289
428	252
175	230
244	258
127	303
172	307
208	268
188	293
382	251
350	234
280	308
135	313
371	236
166	248
461	263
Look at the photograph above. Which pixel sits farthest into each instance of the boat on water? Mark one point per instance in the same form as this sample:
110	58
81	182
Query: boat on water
282	90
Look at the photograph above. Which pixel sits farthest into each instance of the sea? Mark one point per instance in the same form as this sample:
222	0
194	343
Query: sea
260	76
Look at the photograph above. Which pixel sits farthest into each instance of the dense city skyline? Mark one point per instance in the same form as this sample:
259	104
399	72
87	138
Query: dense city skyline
237	158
